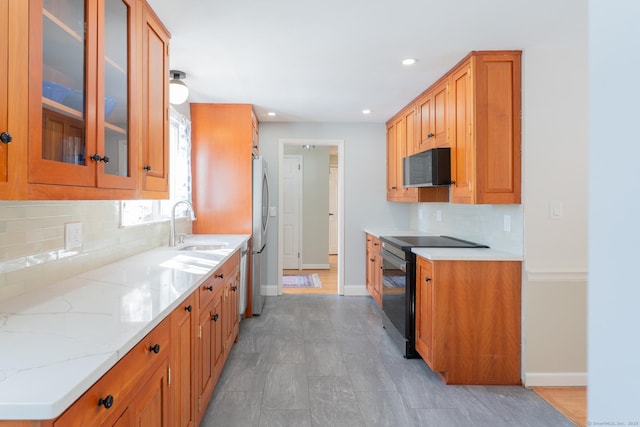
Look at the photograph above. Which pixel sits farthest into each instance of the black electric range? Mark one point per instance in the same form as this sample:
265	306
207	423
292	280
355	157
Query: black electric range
399	283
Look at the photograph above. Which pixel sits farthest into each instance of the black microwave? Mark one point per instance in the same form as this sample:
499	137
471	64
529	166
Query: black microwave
429	168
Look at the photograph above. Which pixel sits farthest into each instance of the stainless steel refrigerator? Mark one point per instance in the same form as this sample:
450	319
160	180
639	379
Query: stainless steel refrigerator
259	235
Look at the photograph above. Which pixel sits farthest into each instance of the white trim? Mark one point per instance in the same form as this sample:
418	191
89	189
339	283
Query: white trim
269	290
555	379
318	142
556	276
316	267
356	290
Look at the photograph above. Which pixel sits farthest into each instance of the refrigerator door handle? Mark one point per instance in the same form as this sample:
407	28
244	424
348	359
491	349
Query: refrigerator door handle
266	181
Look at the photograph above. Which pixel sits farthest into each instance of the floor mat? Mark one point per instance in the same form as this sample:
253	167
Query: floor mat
301	281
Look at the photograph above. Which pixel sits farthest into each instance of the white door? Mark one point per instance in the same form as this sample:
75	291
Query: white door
333	210
291	211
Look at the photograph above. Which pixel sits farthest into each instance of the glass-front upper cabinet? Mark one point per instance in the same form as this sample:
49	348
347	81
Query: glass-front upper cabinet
85	101
116	65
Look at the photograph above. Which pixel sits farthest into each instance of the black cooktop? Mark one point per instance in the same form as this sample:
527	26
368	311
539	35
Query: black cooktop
408	242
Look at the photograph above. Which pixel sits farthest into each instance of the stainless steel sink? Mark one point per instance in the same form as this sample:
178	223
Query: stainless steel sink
204	248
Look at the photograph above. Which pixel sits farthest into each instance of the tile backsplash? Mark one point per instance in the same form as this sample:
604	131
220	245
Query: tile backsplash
32	251
478	223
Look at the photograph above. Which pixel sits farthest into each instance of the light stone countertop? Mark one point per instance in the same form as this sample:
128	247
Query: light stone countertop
452	254
465	254
57	341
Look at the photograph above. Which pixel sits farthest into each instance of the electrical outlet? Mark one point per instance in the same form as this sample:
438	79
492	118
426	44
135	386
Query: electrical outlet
507	223
72	235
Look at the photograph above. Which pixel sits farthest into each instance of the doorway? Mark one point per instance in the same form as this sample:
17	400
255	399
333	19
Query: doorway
311	176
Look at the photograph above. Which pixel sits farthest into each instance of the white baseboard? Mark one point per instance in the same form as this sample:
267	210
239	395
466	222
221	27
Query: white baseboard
316	267
355	290
555	379
269	290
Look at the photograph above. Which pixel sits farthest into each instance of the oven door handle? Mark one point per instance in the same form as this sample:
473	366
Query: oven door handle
394	260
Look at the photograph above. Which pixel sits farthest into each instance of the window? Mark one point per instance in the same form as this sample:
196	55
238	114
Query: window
134	212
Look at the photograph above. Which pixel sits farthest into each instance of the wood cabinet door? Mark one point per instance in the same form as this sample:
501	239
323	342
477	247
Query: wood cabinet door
150	406
205	344
14	83
440	114
117	116
410	130
217	334
5	18
62	95
155	120
392	163
425	113
183	326
424	311
462	147
497	124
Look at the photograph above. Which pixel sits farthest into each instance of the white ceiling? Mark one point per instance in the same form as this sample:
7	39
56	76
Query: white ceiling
326	61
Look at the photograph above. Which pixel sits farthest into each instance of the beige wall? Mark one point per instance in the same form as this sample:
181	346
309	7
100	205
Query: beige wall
555	172
32	250
555	154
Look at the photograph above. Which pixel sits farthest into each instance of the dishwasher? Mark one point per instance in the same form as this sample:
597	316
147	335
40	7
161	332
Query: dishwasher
244	265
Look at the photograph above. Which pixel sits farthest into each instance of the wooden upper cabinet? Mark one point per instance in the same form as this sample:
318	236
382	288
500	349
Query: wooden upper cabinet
71	86
155	107
401	142
462	149
433	108
222	160
487	128
255	146
82	107
475	109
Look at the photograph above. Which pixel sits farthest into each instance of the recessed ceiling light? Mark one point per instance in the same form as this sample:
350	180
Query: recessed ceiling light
271	114
366	111
409	61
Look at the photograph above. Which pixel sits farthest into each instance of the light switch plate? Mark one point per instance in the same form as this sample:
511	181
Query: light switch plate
72	235
555	210
272	211
507	223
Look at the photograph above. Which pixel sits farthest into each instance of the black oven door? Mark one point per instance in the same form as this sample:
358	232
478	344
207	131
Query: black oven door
394	290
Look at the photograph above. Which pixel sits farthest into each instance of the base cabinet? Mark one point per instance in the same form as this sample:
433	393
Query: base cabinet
217	329
374	268
183	351
468	320
167	379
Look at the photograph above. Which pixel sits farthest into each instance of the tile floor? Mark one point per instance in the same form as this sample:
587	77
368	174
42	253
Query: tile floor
316	360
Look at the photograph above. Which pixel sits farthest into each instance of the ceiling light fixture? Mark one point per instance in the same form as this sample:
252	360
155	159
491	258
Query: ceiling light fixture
271	114
409	61
178	90
366	111
309	147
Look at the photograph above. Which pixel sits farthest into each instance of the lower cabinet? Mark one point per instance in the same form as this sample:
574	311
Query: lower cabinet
167	379
133	392
217	329
374	269
468	320
183	351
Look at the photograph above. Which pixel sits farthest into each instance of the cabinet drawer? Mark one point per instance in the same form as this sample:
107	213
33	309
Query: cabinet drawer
373	243
210	286
115	386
